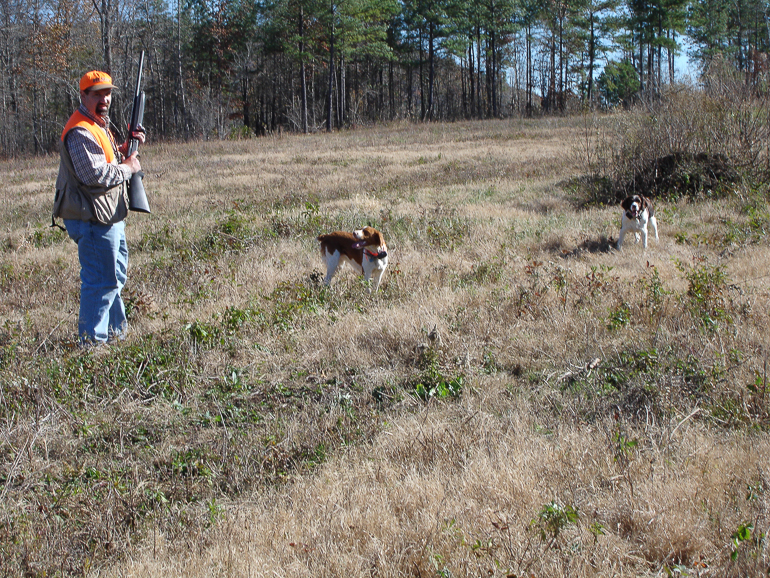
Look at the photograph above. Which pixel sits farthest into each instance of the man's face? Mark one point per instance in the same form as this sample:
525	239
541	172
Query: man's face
97	101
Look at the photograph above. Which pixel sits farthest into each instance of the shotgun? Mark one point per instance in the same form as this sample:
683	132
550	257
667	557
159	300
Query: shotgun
137	198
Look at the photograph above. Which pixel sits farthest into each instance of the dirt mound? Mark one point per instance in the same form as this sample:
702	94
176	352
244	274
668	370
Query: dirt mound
684	175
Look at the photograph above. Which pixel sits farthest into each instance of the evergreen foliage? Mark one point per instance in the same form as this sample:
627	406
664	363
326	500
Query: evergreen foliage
234	68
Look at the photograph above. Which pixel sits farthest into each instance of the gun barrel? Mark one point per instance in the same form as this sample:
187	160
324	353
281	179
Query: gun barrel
137	115
139	75
137	198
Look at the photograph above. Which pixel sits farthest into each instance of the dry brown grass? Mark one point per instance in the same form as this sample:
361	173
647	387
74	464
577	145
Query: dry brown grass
255	423
456	489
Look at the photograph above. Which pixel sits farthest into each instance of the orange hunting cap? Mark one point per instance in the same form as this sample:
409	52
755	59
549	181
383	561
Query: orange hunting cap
96	80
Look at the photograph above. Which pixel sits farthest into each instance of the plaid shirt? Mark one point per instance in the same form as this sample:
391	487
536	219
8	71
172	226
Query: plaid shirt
91	166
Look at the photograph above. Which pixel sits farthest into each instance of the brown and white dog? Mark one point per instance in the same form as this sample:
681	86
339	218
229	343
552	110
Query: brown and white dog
638	212
364	250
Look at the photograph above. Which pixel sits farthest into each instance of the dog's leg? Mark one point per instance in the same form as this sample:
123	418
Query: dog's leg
332	262
654	225
376	276
644	237
621	236
368	269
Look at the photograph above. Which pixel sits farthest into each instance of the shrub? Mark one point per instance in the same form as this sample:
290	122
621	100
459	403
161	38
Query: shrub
687	141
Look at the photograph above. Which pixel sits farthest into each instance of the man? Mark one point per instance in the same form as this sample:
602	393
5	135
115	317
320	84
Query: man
92	199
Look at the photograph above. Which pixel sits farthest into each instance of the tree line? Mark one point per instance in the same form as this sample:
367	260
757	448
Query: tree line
218	68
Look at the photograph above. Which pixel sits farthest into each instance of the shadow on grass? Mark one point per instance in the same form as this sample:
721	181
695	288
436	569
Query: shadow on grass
603	244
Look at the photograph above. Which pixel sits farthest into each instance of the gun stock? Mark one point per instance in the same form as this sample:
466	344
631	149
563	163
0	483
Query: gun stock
137	198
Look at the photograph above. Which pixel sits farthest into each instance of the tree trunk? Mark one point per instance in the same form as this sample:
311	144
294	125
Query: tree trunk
342	92
104	8
330	90
391	92
529	71
591	56
478	72
303	79
552	74
180	101
422	79
471	79
431	69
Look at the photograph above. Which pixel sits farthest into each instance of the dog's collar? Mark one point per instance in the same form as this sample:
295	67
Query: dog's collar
380	255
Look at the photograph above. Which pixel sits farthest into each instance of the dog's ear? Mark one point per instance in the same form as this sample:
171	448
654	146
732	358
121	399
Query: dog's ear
626	203
648	204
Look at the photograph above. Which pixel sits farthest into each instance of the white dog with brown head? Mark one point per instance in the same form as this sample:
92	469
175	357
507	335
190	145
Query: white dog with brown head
638	214
364	250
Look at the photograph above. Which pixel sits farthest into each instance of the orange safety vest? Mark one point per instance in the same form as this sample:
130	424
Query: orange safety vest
78	119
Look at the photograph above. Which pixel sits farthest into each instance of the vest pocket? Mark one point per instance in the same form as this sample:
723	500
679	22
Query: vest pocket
107	208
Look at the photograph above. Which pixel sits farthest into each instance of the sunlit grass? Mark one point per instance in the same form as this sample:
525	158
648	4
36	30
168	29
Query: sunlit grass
518	398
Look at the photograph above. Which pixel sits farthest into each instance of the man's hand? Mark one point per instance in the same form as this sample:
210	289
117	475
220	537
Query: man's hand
139	134
132	163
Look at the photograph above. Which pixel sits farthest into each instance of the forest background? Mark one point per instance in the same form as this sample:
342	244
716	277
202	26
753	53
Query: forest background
219	68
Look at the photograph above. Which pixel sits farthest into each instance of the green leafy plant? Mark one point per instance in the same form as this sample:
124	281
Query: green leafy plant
619	317
157	239
552	519
215	511
235	318
654	292
707	293
291	300
597	529
232	234
202	333
623	449
311	216
41	238
742	534
431	382
599	280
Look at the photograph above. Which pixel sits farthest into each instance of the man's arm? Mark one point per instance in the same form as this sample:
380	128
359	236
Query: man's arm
91	166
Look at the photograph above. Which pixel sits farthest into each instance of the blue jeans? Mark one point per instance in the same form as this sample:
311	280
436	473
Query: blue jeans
103	255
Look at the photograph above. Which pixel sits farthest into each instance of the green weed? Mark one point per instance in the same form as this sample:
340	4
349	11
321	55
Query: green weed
203	333
309	222
486	272
42	238
7	275
438	228
707	294
291	300
553	519
232	234
619	317
599	281
654	292
742	534
431	382
623	449
161	239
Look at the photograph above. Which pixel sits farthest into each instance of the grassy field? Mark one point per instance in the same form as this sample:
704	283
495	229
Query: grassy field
518	399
